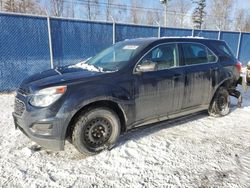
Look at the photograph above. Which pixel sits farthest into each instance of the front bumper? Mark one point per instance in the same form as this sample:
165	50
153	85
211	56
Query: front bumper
52	142
44	126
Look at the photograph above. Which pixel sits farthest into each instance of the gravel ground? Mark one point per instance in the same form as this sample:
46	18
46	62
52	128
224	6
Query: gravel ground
195	151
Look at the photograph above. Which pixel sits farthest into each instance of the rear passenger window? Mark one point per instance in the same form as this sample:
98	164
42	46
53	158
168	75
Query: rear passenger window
197	54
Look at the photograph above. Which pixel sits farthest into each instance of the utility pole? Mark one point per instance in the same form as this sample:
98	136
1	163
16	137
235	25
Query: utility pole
165	3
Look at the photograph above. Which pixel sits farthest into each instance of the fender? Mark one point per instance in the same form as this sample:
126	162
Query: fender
84	97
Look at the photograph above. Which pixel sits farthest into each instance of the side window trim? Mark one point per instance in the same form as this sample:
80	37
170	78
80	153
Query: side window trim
166	43
183	58
181	55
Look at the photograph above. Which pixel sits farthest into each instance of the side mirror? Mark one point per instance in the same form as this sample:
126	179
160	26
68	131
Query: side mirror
146	66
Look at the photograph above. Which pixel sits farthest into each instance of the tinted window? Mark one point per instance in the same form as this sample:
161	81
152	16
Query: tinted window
164	56
211	57
224	50
197	54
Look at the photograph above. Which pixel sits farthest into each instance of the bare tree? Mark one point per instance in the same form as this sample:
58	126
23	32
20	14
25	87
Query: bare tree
246	27
119	14
92	9
182	7
1	5
221	11
57	7
150	18
22	6
135	13
96	9
109	9
10	6
70	9
178	10
242	21
29	6
88	7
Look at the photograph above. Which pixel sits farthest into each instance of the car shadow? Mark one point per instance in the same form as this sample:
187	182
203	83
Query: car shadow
137	133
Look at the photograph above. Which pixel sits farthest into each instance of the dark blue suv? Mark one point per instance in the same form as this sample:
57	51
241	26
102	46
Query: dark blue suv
130	84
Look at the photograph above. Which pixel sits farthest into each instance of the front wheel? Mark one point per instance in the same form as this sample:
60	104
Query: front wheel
95	131
220	104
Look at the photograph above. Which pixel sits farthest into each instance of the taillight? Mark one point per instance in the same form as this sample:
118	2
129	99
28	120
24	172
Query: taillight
238	66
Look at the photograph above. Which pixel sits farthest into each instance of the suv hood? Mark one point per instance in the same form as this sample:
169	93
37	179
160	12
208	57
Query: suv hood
64	75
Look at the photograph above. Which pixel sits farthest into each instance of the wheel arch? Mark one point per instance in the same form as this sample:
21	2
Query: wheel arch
225	83
100	103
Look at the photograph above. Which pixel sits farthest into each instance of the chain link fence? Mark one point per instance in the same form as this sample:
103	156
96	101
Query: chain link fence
23	49
26	48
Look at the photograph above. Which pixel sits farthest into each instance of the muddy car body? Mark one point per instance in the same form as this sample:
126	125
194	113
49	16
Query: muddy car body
160	79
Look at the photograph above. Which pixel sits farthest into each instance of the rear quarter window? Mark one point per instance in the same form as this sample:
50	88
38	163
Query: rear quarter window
223	49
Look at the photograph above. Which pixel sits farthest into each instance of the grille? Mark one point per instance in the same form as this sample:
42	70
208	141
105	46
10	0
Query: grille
22	92
19	107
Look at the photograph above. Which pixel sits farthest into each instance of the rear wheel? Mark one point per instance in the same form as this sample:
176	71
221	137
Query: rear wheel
220	104
95	131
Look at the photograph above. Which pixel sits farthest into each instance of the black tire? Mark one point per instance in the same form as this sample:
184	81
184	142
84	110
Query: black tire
220	104
96	130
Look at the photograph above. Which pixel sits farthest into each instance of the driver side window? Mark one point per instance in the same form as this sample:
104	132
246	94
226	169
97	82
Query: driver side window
162	57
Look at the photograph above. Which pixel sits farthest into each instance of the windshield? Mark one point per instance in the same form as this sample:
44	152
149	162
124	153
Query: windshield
115	57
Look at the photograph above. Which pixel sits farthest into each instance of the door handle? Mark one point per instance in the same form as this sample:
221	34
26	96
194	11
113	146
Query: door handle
215	69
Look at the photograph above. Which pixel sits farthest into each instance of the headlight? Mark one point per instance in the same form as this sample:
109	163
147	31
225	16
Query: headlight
47	96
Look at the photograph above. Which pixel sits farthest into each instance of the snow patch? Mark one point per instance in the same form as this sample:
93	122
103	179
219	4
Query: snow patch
195	151
84	65
26	151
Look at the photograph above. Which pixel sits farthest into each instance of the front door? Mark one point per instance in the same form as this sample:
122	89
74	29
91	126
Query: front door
159	92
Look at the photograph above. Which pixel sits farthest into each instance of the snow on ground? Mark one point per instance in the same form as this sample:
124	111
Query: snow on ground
196	151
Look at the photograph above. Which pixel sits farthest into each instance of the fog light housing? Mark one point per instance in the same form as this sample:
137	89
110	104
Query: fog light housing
42	128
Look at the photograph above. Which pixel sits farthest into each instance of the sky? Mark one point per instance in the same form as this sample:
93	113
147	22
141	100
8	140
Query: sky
243	3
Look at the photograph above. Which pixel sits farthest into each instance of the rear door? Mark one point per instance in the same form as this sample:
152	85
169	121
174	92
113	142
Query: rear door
161	91
200	69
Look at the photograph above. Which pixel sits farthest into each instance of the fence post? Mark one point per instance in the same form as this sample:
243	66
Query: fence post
159	29
114	34
219	34
239	44
50	44
193	32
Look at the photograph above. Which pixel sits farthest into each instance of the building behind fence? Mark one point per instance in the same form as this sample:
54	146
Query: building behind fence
27	43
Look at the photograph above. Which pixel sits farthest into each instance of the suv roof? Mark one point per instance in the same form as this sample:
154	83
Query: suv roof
177	39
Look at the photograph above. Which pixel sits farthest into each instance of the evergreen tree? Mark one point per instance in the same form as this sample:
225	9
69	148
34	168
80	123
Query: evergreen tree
199	13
